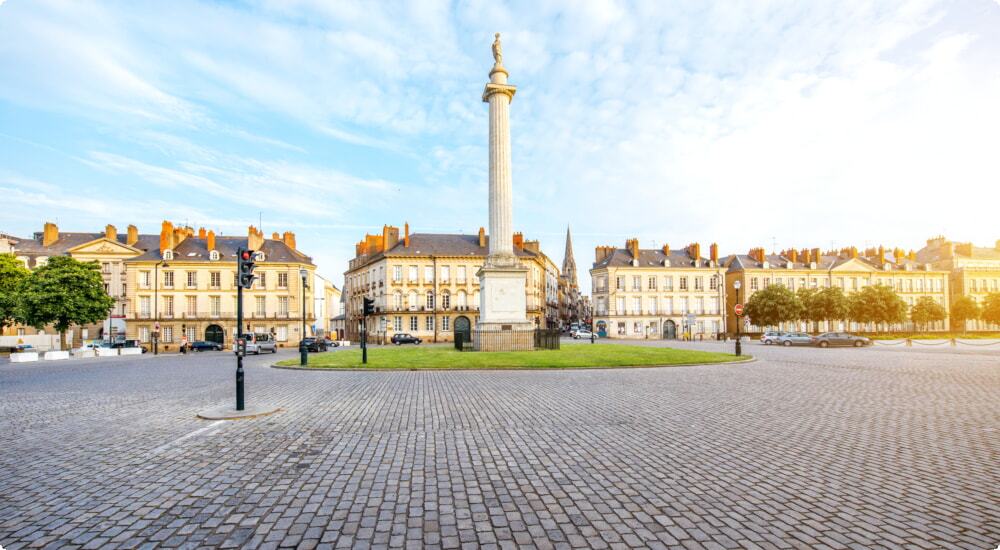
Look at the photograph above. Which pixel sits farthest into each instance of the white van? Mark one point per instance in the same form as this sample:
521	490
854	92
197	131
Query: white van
258	342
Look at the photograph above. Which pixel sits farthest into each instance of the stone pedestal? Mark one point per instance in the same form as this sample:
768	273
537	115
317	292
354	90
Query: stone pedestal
503	325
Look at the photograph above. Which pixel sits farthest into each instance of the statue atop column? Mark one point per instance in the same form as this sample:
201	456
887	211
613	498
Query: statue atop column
497	54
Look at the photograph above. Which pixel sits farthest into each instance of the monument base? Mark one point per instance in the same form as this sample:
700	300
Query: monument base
504	336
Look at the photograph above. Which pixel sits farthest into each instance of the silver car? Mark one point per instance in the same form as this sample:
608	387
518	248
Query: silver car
796	339
841	339
771	337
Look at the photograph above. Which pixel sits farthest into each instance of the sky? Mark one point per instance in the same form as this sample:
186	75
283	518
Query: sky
775	124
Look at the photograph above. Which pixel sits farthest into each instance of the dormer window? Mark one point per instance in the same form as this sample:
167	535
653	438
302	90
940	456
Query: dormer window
168	254
259	257
213	255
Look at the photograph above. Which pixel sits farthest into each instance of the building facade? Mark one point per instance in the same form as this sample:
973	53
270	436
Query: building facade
974	271
427	284
660	293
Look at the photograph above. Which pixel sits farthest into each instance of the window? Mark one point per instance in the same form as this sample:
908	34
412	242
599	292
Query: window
715	306
668	306
445	299
699	305
620	305
215	279
699	283
283	280
652	282
144	307
684	283
143	279
429	274
462	300
636	305
430	300
779	282
282	333
259	256
192	279
168	334
445	274
713	283
668	283
652	306
283	305
461	274
684	305
168	306
397	301
413	323
413	274
215	306
192	306
397	274
619	283
144	334
262	280
213	255
791	284
168	279
430	323
397	323
168	254
636	283
413	301
754	284
446	324
106	267
261	310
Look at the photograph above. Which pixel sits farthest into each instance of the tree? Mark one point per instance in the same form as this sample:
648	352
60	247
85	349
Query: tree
927	310
12	273
963	309
877	304
63	292
773	305
991	309
823	304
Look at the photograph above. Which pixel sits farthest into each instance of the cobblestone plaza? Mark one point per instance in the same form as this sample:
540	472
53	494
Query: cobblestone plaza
803	448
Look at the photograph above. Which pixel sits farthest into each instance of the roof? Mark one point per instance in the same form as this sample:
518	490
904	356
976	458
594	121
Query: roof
620	257
434	244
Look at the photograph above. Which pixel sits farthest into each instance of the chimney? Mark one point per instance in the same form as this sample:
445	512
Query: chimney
532	246
519	240
695	251
633	247
289	239
854	252
793	256
51	234
666	250
406	237
255	238
881	255
482	237
133	235
275	236
201	233
806	256
390	236
166	236
816	256
210	244
110	233
601	253
714	253
912	256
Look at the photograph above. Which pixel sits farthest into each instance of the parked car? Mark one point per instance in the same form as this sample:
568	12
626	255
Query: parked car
796	339
257	342
841	339
331	343
205	346
18	348
769	338
403	338
314	344
586	334
118	344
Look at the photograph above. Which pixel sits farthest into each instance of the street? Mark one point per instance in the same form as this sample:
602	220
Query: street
880	447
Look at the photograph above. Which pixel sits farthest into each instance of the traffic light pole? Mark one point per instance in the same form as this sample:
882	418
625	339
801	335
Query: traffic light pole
240	347
364	339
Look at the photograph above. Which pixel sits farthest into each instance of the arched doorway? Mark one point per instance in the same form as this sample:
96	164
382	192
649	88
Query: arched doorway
214	333
463	325
669	330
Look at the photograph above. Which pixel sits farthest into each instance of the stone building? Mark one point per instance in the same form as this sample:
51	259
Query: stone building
659	293
974	271
425	284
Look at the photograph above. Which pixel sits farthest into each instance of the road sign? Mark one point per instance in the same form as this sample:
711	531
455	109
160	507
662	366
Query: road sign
739	309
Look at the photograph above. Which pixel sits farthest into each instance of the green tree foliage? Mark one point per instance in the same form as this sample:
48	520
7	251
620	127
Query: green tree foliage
927	310
823	304
991	309
772	305
12	273
963	309
63	292
877	304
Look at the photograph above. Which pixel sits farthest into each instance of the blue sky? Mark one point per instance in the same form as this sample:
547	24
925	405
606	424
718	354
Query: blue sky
775	124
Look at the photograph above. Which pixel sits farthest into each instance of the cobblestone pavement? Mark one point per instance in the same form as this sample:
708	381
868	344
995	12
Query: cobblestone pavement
804	448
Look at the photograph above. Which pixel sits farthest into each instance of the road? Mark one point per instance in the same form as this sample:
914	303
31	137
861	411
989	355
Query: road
803	448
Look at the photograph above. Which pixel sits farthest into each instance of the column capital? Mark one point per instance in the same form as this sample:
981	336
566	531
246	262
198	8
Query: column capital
506	89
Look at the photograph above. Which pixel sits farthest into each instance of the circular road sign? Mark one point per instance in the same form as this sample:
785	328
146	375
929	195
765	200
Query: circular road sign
739	309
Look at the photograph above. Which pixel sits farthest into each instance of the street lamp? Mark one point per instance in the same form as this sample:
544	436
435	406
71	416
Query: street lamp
739	313
303	351
156	304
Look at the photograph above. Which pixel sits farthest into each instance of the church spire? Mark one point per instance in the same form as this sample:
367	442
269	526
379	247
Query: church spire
569	265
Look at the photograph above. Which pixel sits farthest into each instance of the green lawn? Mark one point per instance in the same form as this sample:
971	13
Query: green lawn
570	356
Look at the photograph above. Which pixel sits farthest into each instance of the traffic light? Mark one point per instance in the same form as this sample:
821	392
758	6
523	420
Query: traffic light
369	306
245	267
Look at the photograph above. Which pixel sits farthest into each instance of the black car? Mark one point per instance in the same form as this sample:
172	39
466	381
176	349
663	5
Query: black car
404	338
119	344
314	344
205	346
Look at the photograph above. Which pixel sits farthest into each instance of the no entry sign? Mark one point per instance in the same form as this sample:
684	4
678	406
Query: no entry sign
739	309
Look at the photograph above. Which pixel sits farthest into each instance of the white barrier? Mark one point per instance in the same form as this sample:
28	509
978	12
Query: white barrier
24	357
106	352
56	355
84	353
130	351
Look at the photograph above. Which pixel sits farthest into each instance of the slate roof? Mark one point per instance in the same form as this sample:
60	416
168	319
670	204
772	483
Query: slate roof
435	244
621	257
826	262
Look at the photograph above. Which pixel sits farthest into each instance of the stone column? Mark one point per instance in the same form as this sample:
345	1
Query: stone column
499	94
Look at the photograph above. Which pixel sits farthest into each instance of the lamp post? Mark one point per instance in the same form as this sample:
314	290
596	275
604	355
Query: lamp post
739	314
156	304
303	351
